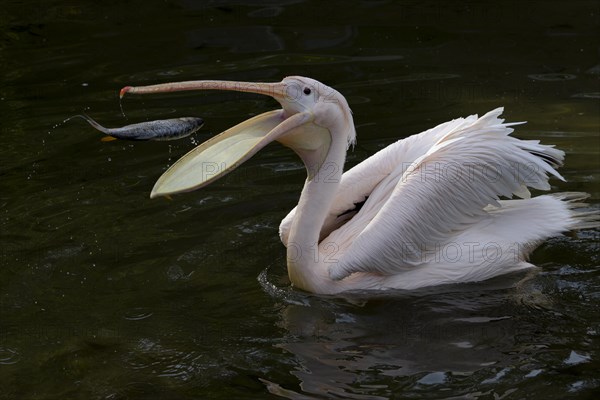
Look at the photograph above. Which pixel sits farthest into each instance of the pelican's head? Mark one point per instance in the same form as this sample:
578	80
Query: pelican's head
314	119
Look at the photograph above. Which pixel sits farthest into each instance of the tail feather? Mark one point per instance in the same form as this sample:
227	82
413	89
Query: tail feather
581	216
531	221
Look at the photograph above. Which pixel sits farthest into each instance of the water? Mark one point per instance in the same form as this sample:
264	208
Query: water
106	294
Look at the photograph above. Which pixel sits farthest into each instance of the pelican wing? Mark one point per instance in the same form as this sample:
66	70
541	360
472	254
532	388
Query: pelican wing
421	204
377	175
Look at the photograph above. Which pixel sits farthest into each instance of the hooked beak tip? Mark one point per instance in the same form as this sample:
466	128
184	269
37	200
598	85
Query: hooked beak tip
124	91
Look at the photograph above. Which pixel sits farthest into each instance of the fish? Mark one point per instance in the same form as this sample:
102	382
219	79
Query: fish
161	129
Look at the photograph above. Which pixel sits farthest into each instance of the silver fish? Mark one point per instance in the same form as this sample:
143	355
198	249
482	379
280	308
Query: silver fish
161	129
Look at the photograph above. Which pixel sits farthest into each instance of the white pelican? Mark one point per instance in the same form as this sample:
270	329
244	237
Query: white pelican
423	211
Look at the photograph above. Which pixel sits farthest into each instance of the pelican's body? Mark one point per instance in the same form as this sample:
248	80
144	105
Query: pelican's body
424	211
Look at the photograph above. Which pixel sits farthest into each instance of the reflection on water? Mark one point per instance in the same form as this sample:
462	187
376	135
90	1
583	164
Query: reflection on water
481	338
106	294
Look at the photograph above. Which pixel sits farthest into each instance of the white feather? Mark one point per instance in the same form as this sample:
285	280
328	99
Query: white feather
434	212
443	194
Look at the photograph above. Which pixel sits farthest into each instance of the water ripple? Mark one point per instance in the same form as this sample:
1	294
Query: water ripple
137	314
552	77
9	356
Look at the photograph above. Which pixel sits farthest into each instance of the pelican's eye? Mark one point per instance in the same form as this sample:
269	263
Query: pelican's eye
307	91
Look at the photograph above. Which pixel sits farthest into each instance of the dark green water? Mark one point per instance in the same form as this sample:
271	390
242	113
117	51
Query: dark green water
106	294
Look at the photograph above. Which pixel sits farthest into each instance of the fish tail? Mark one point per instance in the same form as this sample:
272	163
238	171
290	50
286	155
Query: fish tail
91	122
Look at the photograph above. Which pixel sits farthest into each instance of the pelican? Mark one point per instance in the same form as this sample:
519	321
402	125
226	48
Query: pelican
424	211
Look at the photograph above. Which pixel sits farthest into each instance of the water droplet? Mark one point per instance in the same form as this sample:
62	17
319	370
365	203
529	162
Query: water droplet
121	107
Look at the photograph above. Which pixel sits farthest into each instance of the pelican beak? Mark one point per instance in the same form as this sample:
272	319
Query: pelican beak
223	153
